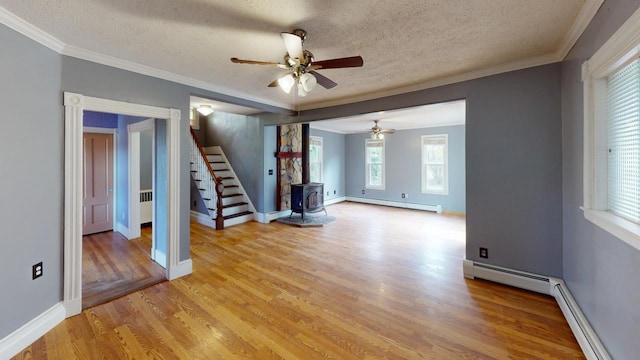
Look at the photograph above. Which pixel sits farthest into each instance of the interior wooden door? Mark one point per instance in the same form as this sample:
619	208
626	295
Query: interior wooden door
97	183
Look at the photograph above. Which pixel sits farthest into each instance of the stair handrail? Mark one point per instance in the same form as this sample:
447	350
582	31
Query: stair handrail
219	187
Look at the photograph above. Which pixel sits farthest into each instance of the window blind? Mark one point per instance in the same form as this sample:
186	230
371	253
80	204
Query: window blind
623	142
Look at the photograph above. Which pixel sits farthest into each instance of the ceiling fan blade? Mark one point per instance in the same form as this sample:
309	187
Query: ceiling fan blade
256	62
353	61
293	43
274	83
324	81
388	131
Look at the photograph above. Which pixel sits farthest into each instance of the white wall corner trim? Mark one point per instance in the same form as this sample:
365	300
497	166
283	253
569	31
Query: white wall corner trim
15	342
426	207
585	335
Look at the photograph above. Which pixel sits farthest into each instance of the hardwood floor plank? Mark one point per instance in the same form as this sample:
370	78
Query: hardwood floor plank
113	266
378	283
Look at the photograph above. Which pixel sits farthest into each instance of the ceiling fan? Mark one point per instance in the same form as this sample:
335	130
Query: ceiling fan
301	67
377	133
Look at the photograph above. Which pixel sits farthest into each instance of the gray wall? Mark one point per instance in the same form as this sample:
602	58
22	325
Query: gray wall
146	159
31	159
333	163
601	271
270	185
514	162
403	168
101	81
241	139
30	71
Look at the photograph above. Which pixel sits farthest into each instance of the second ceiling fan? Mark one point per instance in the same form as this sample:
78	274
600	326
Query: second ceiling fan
301	66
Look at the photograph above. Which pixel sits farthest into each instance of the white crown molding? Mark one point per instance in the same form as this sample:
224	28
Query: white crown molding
583	19
88	55
429	84
32	32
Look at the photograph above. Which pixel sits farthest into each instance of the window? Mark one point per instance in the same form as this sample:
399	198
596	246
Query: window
315	159
435	164
374	153
612	134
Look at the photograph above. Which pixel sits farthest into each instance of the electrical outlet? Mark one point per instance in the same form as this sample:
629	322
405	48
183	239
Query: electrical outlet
362	192
334	192
195	203
327	193
404	196
484	253
36	270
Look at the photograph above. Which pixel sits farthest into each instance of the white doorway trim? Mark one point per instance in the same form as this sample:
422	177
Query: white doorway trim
74	105
134	131
134	174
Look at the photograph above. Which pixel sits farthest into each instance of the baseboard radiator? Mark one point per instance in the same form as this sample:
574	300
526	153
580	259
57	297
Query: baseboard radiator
146	205
582	330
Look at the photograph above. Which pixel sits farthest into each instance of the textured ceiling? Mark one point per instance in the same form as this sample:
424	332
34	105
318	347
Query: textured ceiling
406	45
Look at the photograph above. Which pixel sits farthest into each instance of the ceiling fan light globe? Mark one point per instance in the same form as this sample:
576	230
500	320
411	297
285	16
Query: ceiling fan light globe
301	91
308	82
286	83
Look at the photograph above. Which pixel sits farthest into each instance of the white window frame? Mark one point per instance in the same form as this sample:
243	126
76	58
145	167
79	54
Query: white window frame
622	48
318	140
367	164
425	164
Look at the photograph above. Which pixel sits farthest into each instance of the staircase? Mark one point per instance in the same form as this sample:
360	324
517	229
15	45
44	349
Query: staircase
235	204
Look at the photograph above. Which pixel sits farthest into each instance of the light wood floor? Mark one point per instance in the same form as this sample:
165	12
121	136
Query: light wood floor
113	266
378	283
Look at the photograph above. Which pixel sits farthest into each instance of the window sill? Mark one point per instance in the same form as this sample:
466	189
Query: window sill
429	192
622	229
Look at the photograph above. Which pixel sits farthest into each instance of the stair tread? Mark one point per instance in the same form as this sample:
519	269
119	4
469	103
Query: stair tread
238	215
231	195
234	204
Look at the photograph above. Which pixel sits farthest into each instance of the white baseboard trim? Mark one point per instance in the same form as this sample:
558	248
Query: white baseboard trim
584	333
122	230
335	200
15	342
516	278
203	219
182	269
399	204
269	217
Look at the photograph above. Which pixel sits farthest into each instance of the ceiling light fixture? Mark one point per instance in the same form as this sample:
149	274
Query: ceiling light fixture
205	110
377	136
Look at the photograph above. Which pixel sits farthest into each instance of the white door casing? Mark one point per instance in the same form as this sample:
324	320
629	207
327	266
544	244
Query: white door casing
74	105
